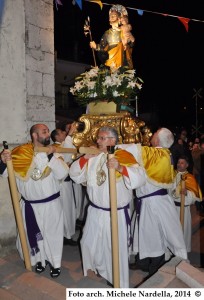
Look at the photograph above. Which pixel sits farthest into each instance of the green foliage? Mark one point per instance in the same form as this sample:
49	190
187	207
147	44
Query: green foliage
120	86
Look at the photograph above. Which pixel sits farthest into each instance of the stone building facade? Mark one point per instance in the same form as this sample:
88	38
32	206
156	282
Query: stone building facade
26	83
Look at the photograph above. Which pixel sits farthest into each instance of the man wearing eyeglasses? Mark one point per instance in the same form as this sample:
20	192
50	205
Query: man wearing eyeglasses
92	170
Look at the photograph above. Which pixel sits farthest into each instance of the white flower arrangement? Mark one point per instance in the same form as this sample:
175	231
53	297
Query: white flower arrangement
101	84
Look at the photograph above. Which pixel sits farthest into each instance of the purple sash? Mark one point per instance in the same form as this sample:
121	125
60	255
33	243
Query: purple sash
33	231
138	200
127	217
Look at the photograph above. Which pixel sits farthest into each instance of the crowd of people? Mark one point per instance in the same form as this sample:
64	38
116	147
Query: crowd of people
51	185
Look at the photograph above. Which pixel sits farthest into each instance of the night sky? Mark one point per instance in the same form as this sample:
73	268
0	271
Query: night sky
169	59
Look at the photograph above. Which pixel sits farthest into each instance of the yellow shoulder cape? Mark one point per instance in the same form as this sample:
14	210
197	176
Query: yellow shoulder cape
158	165
125	158
22	158
192	185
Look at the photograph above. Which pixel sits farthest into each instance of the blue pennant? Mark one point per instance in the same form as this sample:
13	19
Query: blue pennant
140	12
79	3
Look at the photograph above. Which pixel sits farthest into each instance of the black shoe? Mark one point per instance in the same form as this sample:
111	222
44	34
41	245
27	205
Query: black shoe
54	273
70	242
140	264
133	266
136	266
156	263
39	268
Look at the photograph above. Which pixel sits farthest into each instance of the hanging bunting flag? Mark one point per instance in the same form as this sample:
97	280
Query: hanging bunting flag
97	2
140	12
184	21
58	2
79	3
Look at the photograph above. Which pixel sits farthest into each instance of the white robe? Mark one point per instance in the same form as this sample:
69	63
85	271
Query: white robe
159	225
69	208
49	215
78	198
96	239
69	197
190	199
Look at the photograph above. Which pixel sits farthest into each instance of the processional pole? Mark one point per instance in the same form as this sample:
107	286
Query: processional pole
113	205
114	222
87	30
183	186
17	211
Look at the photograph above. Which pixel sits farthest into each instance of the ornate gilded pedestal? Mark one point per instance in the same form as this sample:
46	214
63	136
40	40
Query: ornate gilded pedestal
130	130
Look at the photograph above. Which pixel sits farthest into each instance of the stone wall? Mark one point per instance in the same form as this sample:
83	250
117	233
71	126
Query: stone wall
39	57
26	84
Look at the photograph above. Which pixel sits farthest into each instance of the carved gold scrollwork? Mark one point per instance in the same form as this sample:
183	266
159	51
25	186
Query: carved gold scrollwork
130	130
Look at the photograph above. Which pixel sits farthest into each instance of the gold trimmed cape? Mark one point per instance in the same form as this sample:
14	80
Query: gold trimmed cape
192	185
22	159
158	165
125	159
